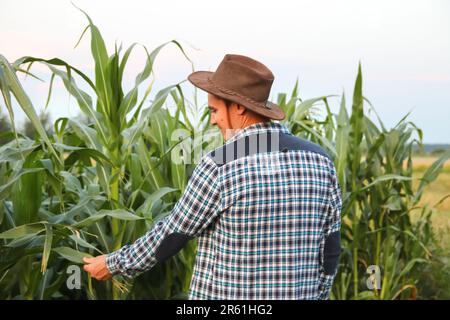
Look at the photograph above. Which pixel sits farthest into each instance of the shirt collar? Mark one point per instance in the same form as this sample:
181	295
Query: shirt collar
258	128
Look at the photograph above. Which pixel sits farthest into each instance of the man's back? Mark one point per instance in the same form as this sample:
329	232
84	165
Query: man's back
278	200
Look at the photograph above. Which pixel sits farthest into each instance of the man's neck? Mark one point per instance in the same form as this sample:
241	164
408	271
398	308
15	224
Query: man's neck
245	124
250	123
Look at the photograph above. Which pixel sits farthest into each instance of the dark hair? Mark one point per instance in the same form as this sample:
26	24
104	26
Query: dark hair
229	102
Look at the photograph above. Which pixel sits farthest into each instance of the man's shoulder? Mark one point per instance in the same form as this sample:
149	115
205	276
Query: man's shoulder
291	142
245	146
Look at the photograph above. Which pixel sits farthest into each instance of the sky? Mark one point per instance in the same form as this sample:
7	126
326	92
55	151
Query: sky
403	47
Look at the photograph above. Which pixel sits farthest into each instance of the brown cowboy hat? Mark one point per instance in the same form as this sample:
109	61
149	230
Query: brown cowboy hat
242	80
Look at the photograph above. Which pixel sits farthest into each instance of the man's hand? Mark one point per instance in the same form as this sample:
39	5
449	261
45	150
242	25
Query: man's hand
97	267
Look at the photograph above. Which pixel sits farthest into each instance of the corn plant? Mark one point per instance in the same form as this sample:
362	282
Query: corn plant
377	193
91	187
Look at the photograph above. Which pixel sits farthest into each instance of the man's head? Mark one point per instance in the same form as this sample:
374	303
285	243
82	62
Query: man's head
238	93
230	116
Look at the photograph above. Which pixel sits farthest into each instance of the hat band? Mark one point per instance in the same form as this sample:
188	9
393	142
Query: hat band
265	105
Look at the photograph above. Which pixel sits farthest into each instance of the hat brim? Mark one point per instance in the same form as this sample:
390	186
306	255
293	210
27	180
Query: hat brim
201	79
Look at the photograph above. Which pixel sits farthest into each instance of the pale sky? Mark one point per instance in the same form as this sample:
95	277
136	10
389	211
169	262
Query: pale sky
404	47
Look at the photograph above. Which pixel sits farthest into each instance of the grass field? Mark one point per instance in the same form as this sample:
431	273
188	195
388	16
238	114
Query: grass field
433	193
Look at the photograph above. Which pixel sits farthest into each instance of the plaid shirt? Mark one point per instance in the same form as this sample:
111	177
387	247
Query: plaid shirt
261	221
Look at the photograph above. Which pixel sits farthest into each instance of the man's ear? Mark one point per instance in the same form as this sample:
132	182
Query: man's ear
240	109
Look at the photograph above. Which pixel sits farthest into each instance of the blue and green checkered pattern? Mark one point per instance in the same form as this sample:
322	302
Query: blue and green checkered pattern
260	222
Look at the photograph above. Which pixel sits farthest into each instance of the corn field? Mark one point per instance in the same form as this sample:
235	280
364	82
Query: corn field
90	187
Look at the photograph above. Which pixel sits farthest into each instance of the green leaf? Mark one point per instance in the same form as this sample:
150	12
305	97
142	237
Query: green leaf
28	187
80	241
24	230
432	173
118	214
147	206
365	295
71	254
24	102
410	265
386	177
21	241
356	123
324	141
102	72
304	106
342	135
47	246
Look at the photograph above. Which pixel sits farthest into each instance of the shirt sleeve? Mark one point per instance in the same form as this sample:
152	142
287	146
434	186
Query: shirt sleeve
330	247
193	212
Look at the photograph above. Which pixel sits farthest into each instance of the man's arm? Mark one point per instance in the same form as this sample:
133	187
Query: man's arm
194	211
331	245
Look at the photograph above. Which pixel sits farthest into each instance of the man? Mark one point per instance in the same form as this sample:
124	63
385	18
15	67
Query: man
265	207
